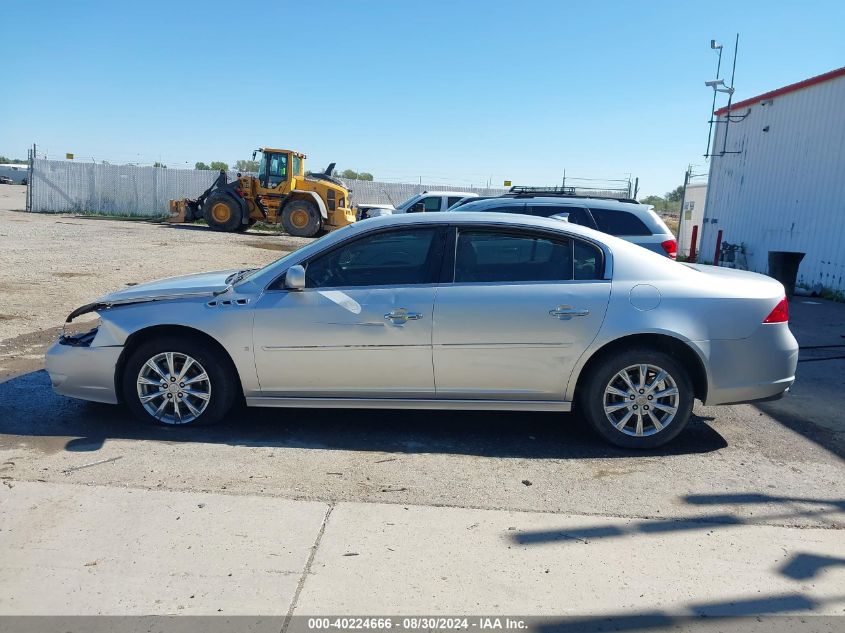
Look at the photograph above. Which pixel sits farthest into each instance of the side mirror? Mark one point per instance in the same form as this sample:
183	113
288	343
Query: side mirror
564	217
295	278
417	207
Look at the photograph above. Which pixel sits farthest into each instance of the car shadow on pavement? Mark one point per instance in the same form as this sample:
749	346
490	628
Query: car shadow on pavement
39	412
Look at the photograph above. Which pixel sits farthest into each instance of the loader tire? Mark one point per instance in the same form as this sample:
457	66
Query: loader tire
222	213
301	218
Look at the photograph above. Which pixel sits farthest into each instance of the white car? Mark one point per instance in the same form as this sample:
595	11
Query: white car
425	202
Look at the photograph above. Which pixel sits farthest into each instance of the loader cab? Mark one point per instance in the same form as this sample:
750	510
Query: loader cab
277	166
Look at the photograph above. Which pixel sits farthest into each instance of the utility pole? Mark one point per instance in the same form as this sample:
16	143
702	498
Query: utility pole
681	211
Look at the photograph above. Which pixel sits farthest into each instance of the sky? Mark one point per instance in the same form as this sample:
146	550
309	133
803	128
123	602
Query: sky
450	92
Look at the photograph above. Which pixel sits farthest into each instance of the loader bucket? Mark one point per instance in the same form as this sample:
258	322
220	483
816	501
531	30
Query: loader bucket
178	211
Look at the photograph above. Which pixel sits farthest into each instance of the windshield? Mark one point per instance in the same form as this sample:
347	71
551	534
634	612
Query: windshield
410	201
281	263
262	166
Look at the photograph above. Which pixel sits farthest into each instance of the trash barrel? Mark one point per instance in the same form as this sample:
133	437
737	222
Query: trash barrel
783	266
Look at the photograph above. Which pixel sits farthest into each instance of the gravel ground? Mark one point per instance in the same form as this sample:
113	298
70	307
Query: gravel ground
778	464
55	263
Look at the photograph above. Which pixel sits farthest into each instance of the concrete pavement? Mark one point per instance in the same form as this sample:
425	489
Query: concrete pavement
70	549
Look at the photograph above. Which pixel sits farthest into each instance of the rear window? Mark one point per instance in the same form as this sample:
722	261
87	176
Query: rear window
619	222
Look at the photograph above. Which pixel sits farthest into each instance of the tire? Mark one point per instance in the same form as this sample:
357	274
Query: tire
607	374
219	384
301	218
222	213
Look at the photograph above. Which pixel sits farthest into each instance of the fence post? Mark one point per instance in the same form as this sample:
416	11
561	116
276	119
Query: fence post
692	243
29	172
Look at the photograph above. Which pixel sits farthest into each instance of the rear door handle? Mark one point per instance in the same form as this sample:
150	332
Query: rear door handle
564	313
401	315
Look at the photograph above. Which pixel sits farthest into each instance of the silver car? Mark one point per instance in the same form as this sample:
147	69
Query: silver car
443	311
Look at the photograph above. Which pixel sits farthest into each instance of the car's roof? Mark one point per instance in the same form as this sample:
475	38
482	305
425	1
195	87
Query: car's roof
564	201
483	217
465	194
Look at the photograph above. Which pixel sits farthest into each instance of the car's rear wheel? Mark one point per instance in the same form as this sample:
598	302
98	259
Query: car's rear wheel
638	399
178	381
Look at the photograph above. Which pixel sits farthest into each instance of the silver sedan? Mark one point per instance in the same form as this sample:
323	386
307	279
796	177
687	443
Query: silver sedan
442	311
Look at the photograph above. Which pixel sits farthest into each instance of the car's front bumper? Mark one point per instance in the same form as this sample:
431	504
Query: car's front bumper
83	372
760	367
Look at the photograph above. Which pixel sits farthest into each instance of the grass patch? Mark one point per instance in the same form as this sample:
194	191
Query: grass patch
264	226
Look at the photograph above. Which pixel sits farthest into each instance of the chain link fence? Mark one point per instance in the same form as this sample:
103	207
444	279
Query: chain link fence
128	190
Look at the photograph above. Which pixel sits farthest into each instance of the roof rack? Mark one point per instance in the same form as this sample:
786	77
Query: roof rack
520	191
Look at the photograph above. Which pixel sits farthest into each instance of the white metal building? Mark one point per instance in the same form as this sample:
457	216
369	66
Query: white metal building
777	183
692	214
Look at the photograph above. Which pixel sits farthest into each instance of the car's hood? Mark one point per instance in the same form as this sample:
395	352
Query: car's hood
198	284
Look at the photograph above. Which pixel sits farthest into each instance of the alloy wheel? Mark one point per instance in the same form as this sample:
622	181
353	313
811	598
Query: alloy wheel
641	400
173	388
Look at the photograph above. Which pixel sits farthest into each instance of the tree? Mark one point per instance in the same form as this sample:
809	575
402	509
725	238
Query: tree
158	164
675	195
246	165
653	200
351	174
217	165
11	161
202	166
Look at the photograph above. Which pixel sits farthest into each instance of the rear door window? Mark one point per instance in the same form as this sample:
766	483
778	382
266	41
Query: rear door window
577	215
508	208
619	222
499	256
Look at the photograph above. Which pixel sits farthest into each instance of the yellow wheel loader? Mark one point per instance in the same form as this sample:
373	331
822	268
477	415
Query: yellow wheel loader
281	194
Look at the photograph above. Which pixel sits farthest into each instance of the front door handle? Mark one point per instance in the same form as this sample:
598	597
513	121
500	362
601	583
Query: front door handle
401	315
564	313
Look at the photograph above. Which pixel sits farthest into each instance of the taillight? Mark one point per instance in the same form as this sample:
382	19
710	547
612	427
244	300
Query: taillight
671	248
239	192
780	314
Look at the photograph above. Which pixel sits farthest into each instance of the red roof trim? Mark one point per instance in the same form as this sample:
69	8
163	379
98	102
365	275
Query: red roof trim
812	81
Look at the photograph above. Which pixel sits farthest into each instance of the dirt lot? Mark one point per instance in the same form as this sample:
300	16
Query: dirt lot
53	264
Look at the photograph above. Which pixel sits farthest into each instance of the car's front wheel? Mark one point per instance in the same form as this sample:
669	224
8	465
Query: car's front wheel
178	381
638	399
